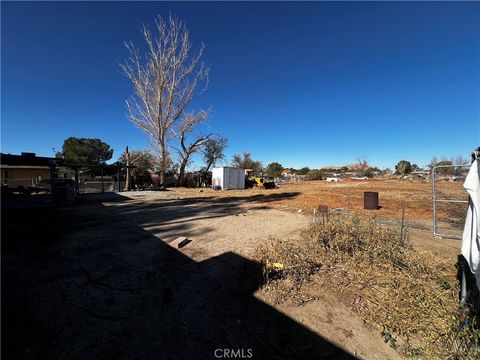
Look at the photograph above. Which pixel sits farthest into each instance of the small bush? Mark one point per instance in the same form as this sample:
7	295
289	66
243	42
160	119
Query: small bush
314	175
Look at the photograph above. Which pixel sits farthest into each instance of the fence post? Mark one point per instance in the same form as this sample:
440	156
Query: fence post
53	188
101	176
434	220
403	225
77	180
118	177
437	229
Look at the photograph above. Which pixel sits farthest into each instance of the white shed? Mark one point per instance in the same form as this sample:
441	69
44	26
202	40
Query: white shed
228	178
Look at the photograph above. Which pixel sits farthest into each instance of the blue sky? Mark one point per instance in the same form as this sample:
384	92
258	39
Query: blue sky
299	83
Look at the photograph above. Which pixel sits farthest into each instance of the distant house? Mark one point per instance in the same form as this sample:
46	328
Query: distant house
287	172
331	168
24	170
354	167
420	174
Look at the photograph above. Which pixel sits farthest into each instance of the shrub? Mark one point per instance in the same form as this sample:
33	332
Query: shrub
314	175
403	167
398	289
302	171
274	169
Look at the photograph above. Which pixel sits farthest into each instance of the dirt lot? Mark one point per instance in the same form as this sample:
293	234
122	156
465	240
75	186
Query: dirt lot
347	194
97	279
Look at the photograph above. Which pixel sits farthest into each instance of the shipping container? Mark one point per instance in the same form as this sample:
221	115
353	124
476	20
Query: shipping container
228	178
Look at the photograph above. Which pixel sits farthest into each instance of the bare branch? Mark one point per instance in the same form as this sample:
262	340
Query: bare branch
189	122
165	81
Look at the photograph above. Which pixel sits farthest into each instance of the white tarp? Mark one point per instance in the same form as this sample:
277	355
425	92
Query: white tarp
471	233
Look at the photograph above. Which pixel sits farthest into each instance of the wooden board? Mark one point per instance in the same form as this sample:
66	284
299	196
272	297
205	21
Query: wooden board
180	242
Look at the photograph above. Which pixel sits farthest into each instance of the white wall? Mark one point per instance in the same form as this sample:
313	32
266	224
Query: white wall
217	177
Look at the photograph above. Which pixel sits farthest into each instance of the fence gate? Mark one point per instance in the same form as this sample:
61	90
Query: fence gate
449	200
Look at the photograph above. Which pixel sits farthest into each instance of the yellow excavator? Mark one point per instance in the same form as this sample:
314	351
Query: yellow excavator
264	183
252	181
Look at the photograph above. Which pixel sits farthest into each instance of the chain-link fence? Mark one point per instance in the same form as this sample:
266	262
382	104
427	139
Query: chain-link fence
449	209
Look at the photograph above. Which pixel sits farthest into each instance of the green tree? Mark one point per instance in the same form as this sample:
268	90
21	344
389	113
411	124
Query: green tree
245	161
403	167
315	175
85	151
274	169
303	171
213	151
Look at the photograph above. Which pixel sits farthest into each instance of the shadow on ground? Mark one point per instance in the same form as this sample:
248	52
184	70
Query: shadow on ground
170	218
86	281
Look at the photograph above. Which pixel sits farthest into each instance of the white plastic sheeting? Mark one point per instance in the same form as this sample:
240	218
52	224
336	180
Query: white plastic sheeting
228	178
471	233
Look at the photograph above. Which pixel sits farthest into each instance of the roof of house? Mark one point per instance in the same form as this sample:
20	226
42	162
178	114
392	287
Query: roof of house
331	167
26	159
30	159
33	167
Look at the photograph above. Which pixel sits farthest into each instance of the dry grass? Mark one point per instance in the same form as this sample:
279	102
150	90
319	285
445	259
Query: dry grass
348	194
406	293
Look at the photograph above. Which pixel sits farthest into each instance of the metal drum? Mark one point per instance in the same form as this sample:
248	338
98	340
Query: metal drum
370	200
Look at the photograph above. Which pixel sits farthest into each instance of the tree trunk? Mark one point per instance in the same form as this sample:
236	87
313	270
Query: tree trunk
160	142
163	166
127	176
205	174
208	166
181	172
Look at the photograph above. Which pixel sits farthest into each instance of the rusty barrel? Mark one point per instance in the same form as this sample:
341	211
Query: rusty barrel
370	200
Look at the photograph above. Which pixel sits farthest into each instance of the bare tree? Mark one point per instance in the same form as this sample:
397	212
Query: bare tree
186	150
362	164
459	163
164	82
213	151
143	161
460	160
